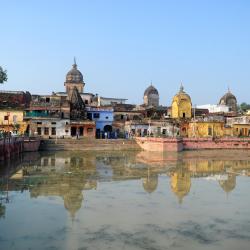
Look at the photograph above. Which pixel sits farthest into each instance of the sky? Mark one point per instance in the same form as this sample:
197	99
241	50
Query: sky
122	45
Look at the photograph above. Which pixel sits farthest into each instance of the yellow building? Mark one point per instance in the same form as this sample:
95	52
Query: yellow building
181	105
206	129
12	120
241	130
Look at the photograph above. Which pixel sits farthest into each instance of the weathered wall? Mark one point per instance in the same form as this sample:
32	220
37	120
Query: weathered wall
9	147
177	145
88	144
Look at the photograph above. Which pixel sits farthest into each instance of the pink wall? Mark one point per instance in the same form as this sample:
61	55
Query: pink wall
177	145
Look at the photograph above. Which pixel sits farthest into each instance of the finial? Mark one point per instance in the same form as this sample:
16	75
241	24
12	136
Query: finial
181	88
74	65
228	88
151	83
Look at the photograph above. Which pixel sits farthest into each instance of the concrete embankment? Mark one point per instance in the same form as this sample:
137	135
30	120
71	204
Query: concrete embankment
88	144
180	144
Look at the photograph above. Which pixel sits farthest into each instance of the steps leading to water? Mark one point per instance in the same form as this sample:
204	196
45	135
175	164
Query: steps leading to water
88	144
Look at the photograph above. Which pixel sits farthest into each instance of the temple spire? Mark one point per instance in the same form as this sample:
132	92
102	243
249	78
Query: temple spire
181	88
74	65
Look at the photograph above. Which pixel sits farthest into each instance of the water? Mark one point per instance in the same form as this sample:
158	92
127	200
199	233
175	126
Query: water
126	200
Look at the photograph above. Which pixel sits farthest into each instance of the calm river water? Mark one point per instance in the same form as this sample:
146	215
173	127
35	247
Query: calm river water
126	200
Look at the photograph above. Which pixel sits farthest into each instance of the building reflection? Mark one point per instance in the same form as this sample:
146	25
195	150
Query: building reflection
150	183
180	182
70	175
229	184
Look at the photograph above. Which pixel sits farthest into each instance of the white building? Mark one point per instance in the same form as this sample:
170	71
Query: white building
214	108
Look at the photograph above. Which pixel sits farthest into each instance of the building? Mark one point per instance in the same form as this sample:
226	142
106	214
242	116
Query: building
215	108
206	128
154	128
74	79
106	101
11	120
103	118
12	106
240	125
61	115
181	105
151	96
229	100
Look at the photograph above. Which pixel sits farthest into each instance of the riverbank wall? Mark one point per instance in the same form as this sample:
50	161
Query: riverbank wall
10	147
88	144
180	144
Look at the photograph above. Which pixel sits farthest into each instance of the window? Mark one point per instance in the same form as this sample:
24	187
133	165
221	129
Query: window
53	162
86	101
107	117
96	115
89	116
66	131
47	99
39	123
209	131
164	131
46	131
54	123
158	130
45	162
53	131
39	131
184	115
14	118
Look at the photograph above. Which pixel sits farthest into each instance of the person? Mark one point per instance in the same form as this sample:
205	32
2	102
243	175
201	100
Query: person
77	134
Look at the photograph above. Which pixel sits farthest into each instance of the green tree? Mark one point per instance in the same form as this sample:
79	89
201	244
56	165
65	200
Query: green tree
3	75
244	106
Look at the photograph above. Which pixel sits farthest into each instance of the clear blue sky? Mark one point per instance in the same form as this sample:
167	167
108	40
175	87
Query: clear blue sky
122	45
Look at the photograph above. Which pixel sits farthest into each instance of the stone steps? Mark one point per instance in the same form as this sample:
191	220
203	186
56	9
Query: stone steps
88	145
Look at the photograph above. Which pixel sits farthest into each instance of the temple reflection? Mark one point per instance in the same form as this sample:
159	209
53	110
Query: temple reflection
180	182
69	175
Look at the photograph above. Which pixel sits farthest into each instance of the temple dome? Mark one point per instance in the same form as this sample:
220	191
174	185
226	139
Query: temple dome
181	95
151	90
74	75
224	99
229	100
181	105
151	96
229	184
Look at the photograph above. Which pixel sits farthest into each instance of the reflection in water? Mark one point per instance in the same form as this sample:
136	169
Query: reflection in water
71	176
180	182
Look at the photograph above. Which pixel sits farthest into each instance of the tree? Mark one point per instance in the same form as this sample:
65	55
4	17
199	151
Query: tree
3	75
244	106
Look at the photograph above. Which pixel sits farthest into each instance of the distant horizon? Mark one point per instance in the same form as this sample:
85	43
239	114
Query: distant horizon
120	47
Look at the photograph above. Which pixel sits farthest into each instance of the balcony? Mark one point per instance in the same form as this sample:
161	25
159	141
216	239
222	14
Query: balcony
42	114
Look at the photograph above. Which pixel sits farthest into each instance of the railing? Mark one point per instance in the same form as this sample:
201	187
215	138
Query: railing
40	114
